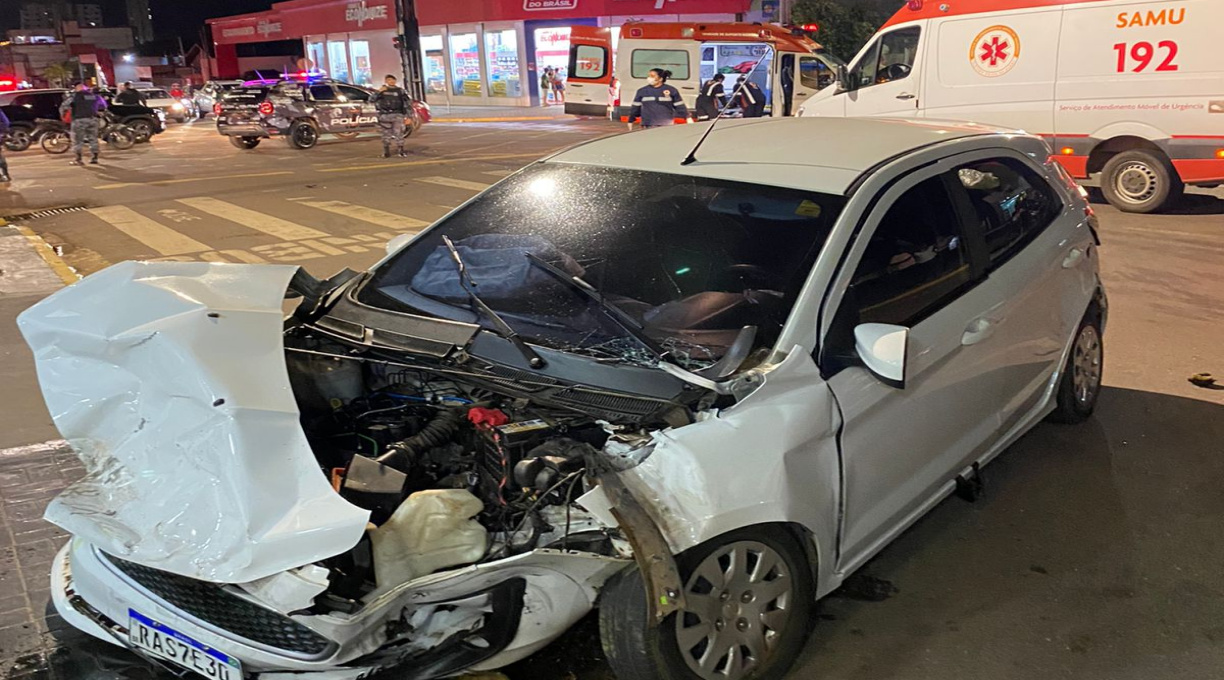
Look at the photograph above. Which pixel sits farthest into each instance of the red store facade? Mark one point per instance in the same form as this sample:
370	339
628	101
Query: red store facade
475	52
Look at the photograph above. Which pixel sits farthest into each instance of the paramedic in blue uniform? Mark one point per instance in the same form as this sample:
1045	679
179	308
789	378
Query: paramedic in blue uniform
658	104
712	98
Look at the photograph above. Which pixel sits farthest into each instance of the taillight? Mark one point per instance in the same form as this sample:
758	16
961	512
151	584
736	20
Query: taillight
217	108
265	108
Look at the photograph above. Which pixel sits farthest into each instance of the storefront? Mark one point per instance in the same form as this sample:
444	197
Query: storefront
475	52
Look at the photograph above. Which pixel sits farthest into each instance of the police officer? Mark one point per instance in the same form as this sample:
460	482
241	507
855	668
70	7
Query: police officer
751	98
658	104
712	98
129	96
392	104
4	131
85	105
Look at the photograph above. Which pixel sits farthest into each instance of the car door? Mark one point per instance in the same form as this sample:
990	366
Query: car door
912	266
1040	250
360	98
883	81
333	113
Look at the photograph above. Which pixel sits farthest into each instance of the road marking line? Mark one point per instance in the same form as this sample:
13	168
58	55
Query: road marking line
323	247
456	183
371	215
66	273
121	185
50	446
244	256
433	161
164	240
272	226
499	173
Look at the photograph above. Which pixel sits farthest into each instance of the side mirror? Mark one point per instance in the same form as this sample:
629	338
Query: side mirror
398	242
843	78
884	350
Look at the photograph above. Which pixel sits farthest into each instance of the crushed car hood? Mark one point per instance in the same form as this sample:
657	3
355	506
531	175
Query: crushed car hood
169	381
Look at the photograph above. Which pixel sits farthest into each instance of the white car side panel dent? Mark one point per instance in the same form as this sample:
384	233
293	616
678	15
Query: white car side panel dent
169	380
772	458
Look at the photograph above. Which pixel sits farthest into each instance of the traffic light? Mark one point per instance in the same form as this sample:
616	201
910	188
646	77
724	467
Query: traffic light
400	41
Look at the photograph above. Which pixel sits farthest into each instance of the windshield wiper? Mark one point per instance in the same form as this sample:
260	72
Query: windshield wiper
616	314
534	360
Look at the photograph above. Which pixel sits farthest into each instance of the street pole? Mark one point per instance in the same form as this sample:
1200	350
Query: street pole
410	48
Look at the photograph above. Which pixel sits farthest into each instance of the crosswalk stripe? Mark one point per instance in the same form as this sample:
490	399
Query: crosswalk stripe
273	226
153	234
499	173
323	247
371	215
457	183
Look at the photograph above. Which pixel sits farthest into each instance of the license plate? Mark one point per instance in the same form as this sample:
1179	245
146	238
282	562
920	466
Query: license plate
164	642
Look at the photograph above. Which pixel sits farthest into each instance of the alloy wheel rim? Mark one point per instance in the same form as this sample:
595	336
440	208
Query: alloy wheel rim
305	135
739	602
1086	365
1137	182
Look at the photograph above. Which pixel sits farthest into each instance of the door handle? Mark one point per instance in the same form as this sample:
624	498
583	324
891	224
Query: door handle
907	96
1074	257
977	331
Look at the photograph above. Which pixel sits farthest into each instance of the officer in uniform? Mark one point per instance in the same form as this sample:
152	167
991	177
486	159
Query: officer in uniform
712	98
4	131
85	105
392	104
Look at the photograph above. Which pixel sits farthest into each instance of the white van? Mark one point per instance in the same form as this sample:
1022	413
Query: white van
791	66
1130	90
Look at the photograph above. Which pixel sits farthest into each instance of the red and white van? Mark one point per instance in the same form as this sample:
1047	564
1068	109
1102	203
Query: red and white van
793	67
1130	90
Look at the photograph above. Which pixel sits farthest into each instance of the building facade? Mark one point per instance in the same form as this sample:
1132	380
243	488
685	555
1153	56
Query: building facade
140	18
475	52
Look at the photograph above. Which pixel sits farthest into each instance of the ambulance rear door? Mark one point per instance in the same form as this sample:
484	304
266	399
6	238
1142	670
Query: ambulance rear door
590	71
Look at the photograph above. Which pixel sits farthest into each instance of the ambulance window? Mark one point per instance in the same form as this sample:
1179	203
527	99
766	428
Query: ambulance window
589	61
1012	205
676	61
814	73
898	51
864	73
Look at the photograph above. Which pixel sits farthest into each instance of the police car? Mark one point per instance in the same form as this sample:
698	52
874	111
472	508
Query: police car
301	109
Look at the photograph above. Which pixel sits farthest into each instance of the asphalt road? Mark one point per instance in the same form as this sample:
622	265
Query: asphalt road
1094	555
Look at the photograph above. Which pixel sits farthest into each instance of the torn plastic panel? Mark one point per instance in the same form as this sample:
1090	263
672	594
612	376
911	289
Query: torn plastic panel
178	399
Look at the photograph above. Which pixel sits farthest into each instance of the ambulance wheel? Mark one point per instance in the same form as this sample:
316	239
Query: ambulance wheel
1140	181
303	135
245	142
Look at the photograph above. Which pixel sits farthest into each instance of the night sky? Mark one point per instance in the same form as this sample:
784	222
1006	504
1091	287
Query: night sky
171	18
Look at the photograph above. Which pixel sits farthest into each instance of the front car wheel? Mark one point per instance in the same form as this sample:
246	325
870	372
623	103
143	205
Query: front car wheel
1080	384
749	598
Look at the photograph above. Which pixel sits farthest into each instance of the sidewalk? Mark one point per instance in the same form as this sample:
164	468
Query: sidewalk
495	114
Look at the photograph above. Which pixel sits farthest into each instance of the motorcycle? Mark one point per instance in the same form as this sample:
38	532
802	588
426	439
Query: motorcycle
55	136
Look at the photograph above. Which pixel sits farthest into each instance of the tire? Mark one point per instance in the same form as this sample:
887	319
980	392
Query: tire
55	143
121	138
18	140
245	142
303	135
142	129
637	649
348	135
1141	181
1080	384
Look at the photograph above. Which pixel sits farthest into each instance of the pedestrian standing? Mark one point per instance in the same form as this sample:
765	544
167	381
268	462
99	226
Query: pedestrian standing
712	98
392	104
751	98
558	85
613	97
546	85
84	106
4	132
657	104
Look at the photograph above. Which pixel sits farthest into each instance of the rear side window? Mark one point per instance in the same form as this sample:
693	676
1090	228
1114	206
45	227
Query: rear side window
1012	205
353	94
676	61
916	261
589	61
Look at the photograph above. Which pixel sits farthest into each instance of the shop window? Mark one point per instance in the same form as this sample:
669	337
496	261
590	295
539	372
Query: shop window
501	51
590	62
363	70
552	48
314	53
337	57
676	61
465	64
435	66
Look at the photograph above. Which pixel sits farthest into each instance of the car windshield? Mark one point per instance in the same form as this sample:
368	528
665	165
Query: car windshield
156	94
693	260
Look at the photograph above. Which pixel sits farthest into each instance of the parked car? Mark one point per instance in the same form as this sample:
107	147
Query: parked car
208	95
178	110
25	108
698	394
302	110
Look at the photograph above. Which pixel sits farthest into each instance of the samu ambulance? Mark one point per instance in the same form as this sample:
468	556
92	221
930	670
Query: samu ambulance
792	67
1131	91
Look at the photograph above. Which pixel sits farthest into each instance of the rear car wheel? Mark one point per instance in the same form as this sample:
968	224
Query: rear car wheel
348	135
18	139
245	142
303	135
1080	385
55	142
1140	181
749	597
142	129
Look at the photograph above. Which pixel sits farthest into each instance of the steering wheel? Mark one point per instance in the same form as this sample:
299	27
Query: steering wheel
896	71
748	277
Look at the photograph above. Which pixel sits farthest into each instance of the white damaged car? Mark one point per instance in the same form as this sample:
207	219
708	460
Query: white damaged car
698	395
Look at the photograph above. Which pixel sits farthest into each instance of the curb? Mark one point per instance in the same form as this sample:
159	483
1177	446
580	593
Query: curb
504	119
66	273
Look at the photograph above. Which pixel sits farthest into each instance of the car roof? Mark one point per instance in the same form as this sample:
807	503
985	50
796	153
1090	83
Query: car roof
812	153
